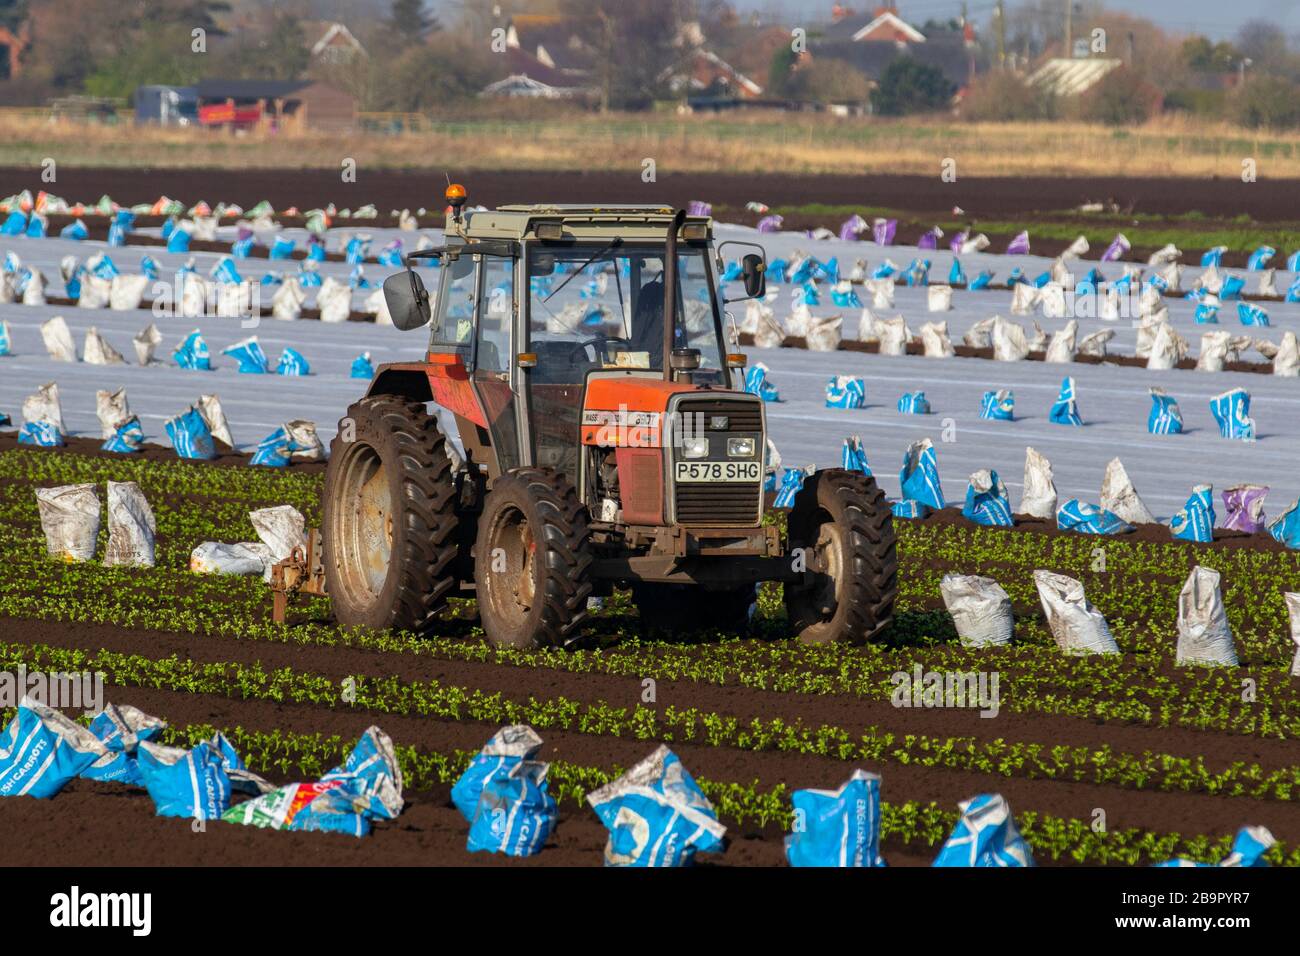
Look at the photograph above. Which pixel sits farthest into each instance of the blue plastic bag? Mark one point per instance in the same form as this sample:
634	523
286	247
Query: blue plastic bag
999	406
248	353
44	434
275	450
74	230
1165	418
1251	314
116	235
41	751
195	783
103	266
120	730
756	383
391	254
1207	314
1196	521
839	828
919	475
987	502
1075	515
128	437
908	509
242	248
845	300
792	480
357	249
225	272
1066	409
1259	259
315	249
914	403
149	268
178	240
5	343
656	815
1286	526
986	835
281	248
982	280
1231	288
803	272
1232	412
361	367
193	353
37	227
190	436
853	457
845	391
1248	849
15	224
507	748
515	813
292	363
956	277
309	278
1213	257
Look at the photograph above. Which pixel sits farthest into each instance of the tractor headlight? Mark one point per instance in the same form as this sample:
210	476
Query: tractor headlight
695	447
740	447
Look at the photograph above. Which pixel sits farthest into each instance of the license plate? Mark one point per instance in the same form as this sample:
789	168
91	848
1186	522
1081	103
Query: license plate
698	471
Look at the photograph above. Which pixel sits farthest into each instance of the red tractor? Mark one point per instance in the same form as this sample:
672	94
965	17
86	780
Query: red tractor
604	442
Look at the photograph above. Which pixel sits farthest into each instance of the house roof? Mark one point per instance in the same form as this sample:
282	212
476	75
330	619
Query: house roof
869	27
554	38
337	35
948	54
247	89
682	70
1069	77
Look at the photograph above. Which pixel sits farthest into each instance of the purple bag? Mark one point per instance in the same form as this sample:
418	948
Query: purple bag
882	230
930	240
1117	248
697	208
852	227
1019	245
1244	505
769	224
958	241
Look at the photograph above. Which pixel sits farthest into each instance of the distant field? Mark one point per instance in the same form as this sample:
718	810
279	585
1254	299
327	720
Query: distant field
784	143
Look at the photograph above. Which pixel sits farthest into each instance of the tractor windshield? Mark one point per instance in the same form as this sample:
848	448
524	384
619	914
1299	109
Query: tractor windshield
593	306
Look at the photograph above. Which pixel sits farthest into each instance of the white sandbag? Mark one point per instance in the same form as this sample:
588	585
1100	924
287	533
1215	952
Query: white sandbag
215	418
1094	343
1039	342
194	295
126	292
1241	343
799	320
974	244
1149	301
1108	304
43	406
980	609
882	293
1210	280
1120	498
1165	255
95	292
1076	249
770	334
980	335
1038	498
1204	636
1052	299
1165	348
1214	351
203	228
34	294
281	529
754	312
286	304
97	351
1009	342
377	306
939	298
234	299
112	409
307	444
7	290
131	527
1293	611
824	334
58	340
145	342
1147	331
1172	276
894	336
1267	286
334	300
868	326
1286	362
70	520
934	338
1060	273
1024	298
1077	626
1061	348
213	557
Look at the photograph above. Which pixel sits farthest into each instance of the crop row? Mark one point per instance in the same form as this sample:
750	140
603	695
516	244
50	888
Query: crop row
910	823
433	699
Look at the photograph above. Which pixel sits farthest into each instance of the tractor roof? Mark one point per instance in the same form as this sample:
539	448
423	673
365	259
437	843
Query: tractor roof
632	221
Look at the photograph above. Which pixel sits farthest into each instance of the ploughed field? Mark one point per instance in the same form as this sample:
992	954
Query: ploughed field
1172	760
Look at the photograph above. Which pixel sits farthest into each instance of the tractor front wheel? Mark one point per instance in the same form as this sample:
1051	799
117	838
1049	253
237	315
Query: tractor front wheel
843	531
389	517
532	560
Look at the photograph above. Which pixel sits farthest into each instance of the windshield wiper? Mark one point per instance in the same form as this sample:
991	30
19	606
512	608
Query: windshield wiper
614	244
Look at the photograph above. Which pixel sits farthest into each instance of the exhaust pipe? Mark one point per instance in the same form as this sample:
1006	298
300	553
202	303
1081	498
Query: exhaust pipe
670	292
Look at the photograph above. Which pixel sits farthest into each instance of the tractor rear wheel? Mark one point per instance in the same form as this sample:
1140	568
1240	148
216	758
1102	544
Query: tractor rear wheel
389	517
532	560
688	609
843	526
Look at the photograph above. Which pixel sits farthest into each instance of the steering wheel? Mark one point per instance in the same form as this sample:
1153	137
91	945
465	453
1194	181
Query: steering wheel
600	343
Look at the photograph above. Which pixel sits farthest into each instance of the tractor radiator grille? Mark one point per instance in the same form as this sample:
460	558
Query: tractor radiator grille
718	504
741	416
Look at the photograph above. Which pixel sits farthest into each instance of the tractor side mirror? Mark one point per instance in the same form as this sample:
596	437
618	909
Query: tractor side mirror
754	270
407	300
